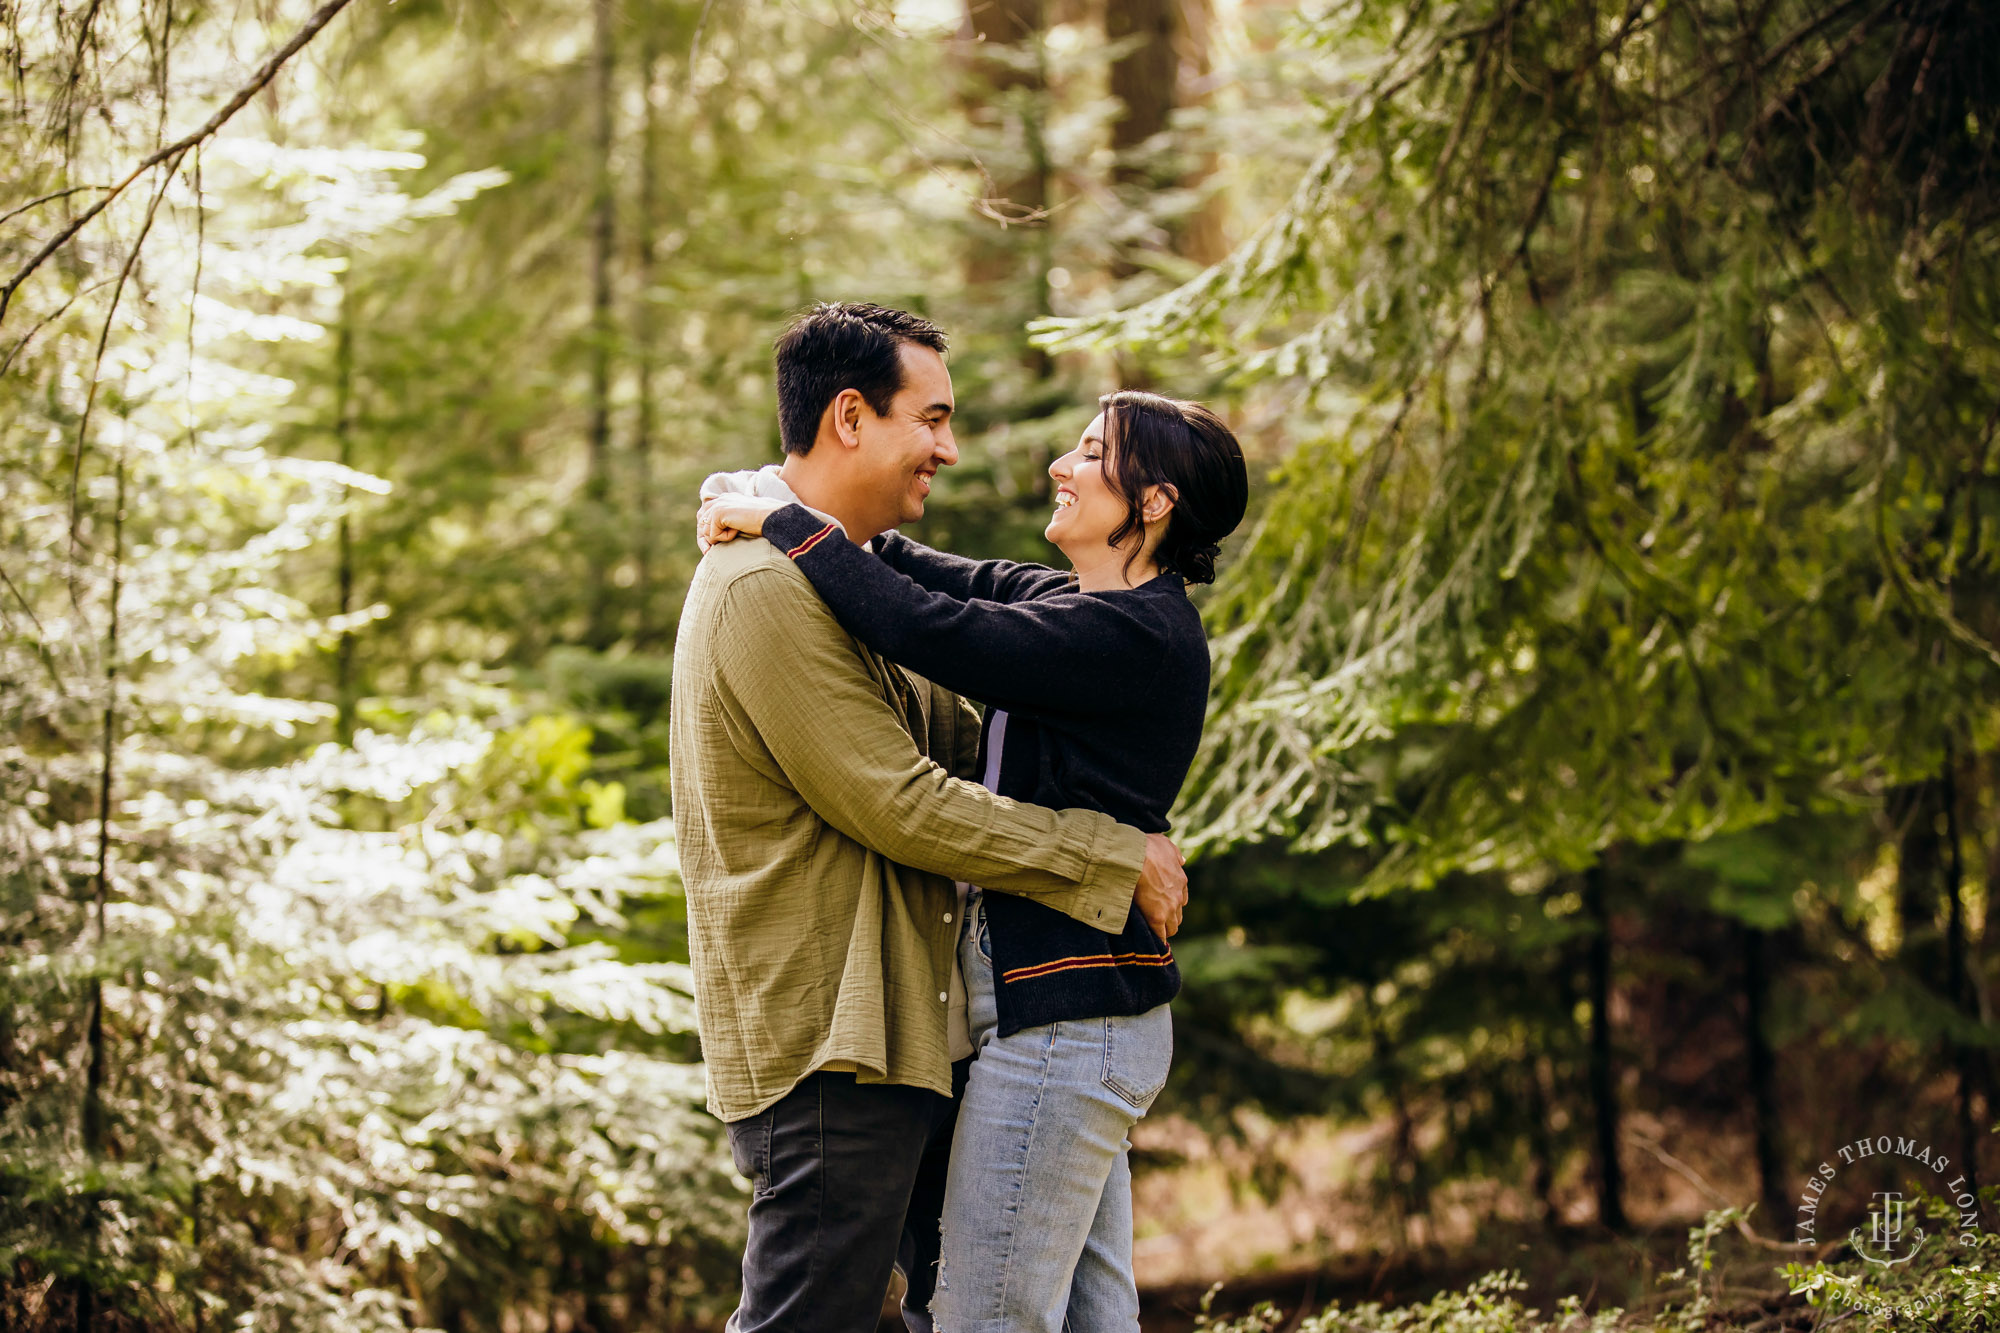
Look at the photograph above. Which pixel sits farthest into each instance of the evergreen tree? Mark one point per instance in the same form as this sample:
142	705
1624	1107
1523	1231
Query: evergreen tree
1639	362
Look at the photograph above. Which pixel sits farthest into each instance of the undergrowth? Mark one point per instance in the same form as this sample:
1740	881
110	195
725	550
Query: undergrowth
1949	1286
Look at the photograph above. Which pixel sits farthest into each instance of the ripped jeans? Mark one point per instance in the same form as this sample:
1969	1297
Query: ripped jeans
1038	1204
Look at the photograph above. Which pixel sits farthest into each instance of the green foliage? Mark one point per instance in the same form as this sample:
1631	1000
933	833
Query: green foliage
1646	432
1621	387
1947	1283
345	456
292	1035
1632	371
1953	1287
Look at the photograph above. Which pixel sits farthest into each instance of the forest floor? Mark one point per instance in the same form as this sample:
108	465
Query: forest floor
1604	1271
1276	1213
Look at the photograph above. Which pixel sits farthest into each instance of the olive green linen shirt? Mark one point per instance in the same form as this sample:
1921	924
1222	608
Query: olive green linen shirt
820	827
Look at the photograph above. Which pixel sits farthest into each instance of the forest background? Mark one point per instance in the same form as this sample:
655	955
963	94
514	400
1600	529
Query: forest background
1596	825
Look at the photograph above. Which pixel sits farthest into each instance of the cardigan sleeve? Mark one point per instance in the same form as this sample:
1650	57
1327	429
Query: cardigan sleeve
1062	653
956	576
791	679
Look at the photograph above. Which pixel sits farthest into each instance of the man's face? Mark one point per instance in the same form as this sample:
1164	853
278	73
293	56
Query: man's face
902	451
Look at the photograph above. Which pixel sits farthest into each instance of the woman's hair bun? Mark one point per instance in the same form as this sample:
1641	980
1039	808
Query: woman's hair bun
1195	564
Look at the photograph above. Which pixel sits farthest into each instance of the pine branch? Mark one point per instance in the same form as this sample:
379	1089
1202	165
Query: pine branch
96	367
175	150
19	209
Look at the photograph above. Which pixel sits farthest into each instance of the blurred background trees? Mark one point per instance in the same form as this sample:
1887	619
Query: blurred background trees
1597	814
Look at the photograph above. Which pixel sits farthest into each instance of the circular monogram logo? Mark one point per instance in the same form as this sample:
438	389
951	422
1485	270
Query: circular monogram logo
1884	1226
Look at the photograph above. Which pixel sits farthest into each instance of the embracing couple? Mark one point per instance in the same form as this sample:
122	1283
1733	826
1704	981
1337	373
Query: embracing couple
930	953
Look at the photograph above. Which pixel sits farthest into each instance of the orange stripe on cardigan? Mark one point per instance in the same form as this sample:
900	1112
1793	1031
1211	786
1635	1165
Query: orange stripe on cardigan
812	541
1056	965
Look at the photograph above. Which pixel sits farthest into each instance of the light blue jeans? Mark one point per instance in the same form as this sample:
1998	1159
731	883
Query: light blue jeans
1038	1205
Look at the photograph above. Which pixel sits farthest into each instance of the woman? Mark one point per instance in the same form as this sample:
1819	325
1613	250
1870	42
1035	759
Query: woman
1095	685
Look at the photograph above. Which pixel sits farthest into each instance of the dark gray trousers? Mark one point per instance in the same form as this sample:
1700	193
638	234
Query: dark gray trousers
847	1183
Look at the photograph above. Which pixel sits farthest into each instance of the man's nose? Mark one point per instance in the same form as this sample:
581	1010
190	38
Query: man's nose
946	451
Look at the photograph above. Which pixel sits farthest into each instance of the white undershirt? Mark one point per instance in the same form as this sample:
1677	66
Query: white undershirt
958	1030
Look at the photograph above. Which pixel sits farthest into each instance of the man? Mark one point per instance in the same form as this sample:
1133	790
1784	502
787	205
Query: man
820	828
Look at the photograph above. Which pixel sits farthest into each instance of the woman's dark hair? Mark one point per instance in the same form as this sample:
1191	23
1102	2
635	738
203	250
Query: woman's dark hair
1185	449
839	345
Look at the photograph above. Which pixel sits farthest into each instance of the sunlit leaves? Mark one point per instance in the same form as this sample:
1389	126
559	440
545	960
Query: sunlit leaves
358	1010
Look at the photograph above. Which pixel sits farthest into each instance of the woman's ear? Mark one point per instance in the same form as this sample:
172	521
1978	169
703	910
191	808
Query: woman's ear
1159	502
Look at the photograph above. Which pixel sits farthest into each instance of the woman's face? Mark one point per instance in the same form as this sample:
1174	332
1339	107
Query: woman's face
1088	511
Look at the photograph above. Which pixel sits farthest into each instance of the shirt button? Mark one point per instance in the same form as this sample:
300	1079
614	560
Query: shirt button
944	997
947	918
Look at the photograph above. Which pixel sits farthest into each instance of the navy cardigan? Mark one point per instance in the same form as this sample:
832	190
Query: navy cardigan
1105	693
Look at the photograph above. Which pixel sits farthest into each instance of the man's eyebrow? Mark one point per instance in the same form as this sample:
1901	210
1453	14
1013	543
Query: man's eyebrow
938	409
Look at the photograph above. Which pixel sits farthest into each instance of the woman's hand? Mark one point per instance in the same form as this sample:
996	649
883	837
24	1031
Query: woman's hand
725	516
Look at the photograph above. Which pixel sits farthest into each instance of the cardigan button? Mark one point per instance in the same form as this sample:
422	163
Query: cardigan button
944	997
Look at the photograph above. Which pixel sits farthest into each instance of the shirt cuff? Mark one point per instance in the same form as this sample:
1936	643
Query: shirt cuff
1103	898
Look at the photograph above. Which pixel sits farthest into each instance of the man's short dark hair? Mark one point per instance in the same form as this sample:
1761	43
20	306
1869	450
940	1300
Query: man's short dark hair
843	345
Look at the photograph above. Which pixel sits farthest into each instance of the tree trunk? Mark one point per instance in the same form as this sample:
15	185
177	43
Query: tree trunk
1007	77
1145	79
1170	38
343	434
94	1119
1989	922
643	334
1603	1078
1406	1168
1763	1075
1541	1148
1167	69
1957	974
93	1095
1916	812
10	1054
597	484
1202	237
194	1278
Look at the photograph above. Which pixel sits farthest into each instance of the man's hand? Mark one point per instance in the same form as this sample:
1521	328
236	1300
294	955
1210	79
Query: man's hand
1162	891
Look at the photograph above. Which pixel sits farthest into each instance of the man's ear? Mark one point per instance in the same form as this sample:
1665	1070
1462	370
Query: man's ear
1159	502
846	409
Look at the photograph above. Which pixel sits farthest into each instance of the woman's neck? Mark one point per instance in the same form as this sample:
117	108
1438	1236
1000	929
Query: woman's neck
1106	570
